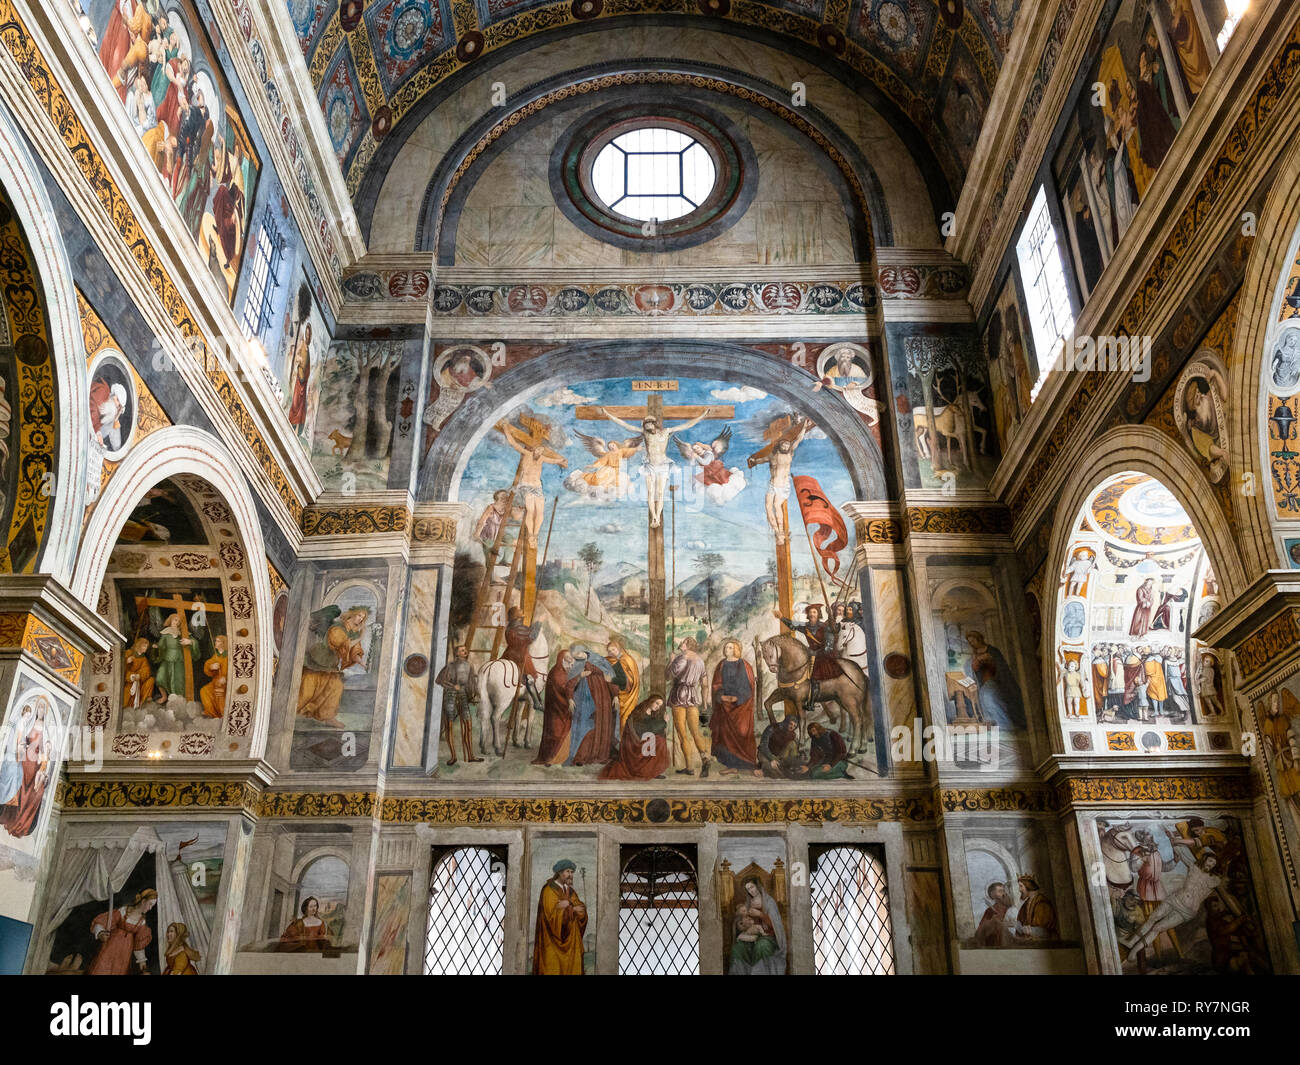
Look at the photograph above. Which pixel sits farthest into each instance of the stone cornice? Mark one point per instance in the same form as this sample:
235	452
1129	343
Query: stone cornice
52	79
384	524
53	603
832	300
1262	628
242	792
1082	782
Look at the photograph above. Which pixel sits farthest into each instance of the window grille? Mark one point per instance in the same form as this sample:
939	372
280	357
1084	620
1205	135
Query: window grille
653	173
659	912
1045	291
263	281
467	912
852	934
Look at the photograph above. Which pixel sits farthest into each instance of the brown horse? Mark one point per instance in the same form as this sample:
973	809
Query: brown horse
791	661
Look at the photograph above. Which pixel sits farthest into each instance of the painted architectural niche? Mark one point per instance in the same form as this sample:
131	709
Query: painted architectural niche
1135	585
984	700
32	740
753	900
309	915
652	594
178	588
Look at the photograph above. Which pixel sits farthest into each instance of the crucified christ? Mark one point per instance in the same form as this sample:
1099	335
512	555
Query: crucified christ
533	455
779	455
658	466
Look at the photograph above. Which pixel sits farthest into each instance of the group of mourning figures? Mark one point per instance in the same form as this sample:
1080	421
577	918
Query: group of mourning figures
596	710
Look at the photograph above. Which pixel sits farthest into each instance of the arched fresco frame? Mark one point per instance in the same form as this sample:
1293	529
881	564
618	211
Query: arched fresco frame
34	211
167	453
443	466
1137	449
1274	250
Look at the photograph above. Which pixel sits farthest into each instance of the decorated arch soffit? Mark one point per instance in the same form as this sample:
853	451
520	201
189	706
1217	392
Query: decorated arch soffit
376	63
28	410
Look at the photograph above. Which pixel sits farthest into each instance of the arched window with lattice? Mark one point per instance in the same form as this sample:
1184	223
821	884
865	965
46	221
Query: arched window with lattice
467	912
658	912
852	933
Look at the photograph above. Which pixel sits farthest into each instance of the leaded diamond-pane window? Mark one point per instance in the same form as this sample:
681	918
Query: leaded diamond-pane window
658	912
467	912
852	935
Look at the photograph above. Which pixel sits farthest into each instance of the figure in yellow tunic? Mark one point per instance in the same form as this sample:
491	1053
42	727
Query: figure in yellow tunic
137	682
561	921
179	957
605	478
334	644
1157	690
629	695
213	694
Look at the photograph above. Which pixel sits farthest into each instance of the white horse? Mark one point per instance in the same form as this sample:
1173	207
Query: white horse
851	643
498	688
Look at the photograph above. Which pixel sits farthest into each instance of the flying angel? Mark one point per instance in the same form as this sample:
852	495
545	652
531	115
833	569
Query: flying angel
720	484
605	478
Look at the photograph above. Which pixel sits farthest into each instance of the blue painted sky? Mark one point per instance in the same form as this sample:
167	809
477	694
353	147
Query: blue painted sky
737	530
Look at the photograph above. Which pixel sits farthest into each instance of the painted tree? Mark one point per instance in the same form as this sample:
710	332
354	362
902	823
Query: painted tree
710	565
590	556
377	361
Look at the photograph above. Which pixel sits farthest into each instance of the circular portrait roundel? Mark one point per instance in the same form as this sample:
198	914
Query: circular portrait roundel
1283	367
846	368
113	404
1199	411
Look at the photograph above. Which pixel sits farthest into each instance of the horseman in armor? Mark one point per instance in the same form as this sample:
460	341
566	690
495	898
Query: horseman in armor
820	636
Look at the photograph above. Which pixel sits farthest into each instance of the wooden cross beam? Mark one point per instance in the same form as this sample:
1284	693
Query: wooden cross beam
179	606
654	407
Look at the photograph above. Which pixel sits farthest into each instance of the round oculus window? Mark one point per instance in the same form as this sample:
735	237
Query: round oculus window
653	179
653	172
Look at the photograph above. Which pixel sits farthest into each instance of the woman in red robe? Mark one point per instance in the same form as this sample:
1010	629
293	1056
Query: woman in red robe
732	724
19	815
123	935
643	751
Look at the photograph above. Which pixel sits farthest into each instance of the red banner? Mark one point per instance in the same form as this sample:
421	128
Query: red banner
832	536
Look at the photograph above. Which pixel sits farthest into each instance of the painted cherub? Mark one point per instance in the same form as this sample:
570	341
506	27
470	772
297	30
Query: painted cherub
721	485
605	477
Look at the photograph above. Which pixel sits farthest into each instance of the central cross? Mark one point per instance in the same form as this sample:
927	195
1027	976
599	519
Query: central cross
178	605
650	422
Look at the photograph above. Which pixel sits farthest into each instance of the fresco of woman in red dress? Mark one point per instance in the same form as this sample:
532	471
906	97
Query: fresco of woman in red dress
123	935
25	773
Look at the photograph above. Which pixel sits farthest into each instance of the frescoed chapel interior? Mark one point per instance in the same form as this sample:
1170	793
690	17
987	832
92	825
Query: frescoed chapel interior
560	487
